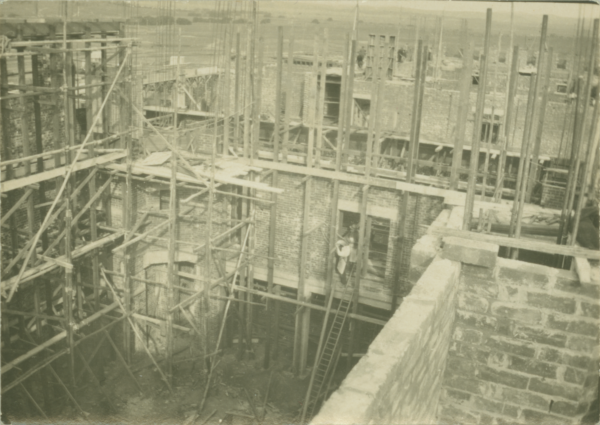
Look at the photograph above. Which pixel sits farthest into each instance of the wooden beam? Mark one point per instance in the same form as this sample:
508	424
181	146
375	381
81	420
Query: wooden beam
348	177
60	171
527	244
47	267
16	206
163	172
307	304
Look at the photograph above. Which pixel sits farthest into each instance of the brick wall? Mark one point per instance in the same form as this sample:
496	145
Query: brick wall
289	228
524	347
399	379
440	108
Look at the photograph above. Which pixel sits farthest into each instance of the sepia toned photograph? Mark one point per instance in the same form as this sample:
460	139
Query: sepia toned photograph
294	212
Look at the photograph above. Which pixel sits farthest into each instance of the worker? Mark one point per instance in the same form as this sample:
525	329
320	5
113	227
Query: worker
346	252
360	56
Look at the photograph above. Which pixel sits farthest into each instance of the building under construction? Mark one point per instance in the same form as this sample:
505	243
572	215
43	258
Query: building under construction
175	230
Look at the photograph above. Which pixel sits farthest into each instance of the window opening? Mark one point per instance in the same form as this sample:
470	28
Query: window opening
377	237
378	231
331	112
362	111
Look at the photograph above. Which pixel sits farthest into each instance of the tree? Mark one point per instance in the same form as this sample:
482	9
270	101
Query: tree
183	21
315	21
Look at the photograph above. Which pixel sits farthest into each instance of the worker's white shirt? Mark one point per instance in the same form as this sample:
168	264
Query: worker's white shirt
343	253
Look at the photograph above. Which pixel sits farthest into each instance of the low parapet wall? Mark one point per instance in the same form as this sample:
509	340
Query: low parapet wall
399	379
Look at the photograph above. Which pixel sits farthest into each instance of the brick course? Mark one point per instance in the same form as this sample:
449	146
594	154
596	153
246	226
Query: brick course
524	346
399	379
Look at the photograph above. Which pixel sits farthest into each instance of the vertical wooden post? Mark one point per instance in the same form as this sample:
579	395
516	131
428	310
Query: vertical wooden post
41	196
288	97
476	140
250	269
248	98
462	114
373	115
128	206
106	112
350	98
525	159
238	53
508	116
381	77
412	164
68	298
312	102
361	266
6	144
533	175
271	324
578	141
303	316
522	162
226	90
256	104
416	47
321	99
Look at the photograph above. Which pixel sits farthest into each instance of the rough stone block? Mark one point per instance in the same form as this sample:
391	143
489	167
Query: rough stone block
474	320
534	417
470	252
461	383
467	335
574	376
525	398
572	286
519	273
519	314
541	336
554	388
502	377
485	405
532	367
450	414
511	347
580	327
565	408
477	271
590	310
456	395
479	286
471	302
561	304
585	345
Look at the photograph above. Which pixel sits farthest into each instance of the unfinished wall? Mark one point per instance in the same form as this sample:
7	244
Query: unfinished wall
382	203
524	347
399	379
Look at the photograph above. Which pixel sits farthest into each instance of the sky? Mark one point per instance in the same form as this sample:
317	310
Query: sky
570	9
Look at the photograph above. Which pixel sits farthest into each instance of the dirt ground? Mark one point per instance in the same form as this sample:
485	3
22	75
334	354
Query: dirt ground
237	394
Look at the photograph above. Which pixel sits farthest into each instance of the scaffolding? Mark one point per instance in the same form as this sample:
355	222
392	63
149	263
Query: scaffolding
69	272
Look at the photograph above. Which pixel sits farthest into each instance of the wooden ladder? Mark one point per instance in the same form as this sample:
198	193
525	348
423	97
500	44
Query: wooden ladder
327	358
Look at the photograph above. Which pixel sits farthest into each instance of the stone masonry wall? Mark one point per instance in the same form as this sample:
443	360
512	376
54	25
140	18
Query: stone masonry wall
399	379
289	226
524	346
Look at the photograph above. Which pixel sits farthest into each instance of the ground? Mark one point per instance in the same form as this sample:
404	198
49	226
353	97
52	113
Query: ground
235	384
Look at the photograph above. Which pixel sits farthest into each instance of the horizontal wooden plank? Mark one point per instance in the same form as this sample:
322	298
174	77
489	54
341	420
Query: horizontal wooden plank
49	266
522	243
60	171
166	173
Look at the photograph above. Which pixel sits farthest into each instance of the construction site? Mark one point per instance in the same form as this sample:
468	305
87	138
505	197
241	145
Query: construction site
225	212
